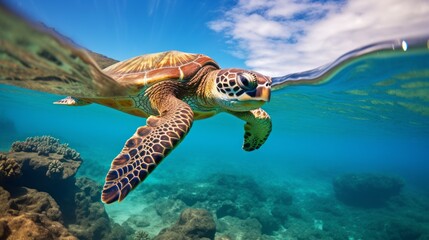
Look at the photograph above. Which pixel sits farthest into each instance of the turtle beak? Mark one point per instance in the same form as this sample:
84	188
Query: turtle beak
263	93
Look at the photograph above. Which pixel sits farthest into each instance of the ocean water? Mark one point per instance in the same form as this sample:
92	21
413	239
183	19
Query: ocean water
368	112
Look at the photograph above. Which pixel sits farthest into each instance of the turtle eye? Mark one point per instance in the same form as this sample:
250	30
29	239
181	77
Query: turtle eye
247	81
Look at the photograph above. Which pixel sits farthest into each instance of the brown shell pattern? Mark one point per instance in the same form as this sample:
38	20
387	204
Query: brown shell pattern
151	68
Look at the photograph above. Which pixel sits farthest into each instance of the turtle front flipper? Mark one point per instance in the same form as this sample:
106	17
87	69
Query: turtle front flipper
147	148
257	128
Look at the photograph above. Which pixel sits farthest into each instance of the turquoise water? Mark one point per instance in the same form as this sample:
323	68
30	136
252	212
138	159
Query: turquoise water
371	115
367	112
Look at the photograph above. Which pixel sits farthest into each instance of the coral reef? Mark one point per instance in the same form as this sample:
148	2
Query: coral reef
141	235
192	224
44	145
55	168
366	190
9	168
41	198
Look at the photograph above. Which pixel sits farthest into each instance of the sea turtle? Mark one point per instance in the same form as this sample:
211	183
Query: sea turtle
171	89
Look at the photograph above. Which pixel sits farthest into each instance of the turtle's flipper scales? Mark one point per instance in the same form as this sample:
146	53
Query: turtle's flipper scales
146	149
257	128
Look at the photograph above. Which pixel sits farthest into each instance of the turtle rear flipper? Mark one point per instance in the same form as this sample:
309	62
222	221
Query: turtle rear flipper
34	57
147	148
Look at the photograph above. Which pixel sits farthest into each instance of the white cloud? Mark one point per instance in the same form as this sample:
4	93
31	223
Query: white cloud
277	37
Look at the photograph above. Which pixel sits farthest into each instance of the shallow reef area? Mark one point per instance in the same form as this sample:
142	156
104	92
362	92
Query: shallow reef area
366	190
41	198
243	209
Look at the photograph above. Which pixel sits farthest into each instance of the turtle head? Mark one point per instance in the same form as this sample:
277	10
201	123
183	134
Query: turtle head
242	90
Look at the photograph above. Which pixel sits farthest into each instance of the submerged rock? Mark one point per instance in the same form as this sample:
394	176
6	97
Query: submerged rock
40	198
268	221
191	196
90	218
29	214
235	228
192	224
26	200
307	230
366	190
242	184
283	197
228	208
398	229
169	209
280	212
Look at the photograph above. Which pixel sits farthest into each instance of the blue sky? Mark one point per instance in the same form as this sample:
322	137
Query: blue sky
275	37
124	29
